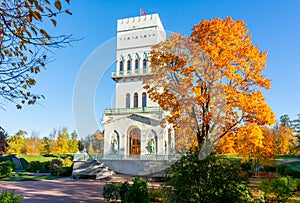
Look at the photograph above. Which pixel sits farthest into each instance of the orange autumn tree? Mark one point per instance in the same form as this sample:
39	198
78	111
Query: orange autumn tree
211	80
254	142
226	146
285	140
249	141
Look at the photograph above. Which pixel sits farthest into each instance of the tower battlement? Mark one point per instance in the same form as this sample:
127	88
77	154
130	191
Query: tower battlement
139	22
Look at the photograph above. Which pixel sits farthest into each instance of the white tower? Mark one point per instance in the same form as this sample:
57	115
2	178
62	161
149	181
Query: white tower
133	126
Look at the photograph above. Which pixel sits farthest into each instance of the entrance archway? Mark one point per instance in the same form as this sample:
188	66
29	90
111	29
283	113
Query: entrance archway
135	141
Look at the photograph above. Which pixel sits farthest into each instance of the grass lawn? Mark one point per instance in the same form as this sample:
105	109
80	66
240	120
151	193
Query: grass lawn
26	176
33	157
286	157
233	157
294	165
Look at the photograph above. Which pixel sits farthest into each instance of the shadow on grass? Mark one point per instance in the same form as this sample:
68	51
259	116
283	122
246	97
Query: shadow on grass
27	176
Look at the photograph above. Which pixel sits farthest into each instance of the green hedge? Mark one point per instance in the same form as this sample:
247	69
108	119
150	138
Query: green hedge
6	167
9	196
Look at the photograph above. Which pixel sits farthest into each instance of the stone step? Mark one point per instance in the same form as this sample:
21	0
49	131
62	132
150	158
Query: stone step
90	169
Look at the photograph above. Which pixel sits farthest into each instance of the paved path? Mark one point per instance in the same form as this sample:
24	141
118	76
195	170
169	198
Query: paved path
59	190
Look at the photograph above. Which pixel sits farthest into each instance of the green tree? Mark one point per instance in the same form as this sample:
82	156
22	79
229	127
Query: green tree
285	120
3	141
295	124
25	45
80	145
214	179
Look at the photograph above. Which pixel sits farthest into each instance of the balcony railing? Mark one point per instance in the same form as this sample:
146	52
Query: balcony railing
133	110
135	72
90	157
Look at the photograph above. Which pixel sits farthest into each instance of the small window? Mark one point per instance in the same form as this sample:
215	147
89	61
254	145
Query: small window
128	65
121	66
144	63
144	99
136	64
127	100
135	100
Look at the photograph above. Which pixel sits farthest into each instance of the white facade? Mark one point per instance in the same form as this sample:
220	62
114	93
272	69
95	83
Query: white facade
134	126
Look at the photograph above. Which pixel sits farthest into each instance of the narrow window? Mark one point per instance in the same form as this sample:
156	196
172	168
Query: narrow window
144	66
144	99
144	63
121	66
136	65
135	100
128	66
127	100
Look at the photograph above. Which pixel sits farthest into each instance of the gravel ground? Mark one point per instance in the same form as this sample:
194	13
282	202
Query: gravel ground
59	190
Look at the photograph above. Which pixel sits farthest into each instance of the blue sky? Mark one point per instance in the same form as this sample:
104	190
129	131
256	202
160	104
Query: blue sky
274	25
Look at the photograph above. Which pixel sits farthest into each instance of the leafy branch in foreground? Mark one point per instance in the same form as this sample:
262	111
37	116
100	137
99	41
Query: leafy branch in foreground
25	45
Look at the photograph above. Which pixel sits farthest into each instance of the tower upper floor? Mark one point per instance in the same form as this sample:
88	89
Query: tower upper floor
135	37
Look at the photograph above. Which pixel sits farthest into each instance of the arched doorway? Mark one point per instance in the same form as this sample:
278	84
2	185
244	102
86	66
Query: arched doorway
135	141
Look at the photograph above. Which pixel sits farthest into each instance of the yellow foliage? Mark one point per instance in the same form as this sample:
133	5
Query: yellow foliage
284	139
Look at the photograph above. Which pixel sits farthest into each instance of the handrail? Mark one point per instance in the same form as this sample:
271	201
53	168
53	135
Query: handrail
134	72
99	157
133	110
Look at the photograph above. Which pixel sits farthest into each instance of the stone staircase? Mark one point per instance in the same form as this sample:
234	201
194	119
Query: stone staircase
90	170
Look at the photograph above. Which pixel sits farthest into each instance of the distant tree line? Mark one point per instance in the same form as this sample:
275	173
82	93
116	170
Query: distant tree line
58	142
256	141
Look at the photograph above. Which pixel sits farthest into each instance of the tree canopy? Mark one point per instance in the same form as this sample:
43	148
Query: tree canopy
212	80
3	141
25	45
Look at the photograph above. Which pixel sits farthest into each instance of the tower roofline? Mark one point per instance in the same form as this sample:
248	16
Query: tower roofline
139	22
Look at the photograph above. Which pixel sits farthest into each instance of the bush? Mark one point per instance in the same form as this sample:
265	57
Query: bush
7	158
278	189
267	169
35	166
114	191
60	167
123	190
111	191
246	166
157	195
6	167
285	170
297	181
138	192
214	179
54	166
10	197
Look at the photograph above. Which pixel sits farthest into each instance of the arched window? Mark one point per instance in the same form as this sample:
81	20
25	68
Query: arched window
144	65
121	66
144	99
128	65
127	100
135	100
136	65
